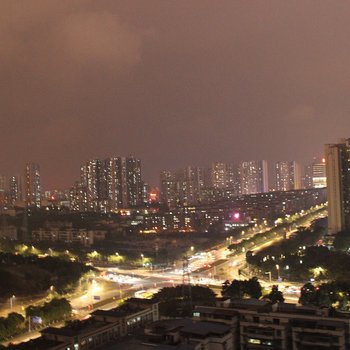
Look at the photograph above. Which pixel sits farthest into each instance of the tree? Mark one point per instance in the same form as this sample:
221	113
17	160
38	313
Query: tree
234	290
308	294
14	323
177	301
275	296
239	289
253	288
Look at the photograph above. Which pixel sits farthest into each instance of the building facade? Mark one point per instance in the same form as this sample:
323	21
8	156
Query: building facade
107	185
254	176
338	185
288	176
33	185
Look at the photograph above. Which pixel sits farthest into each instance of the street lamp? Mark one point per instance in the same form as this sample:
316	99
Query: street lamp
142	258
278	271
11	301
192	249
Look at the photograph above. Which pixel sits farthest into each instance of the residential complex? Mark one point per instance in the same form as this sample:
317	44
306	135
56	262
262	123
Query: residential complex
288	176
240	324
109	184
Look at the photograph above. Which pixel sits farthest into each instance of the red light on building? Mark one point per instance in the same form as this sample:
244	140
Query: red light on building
236	216
153	196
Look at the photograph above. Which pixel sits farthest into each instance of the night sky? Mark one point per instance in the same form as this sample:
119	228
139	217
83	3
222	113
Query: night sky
171	82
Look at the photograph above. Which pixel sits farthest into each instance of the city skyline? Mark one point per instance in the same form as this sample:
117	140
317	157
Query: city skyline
173	84
271	170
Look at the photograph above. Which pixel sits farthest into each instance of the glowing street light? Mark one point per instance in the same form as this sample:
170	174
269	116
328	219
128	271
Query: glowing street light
278	271
269	273
11	301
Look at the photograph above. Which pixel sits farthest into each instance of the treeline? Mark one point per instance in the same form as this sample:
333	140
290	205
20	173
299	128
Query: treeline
11	325
332	294
14	323
31	275
178	301
281	231
55	310
316	262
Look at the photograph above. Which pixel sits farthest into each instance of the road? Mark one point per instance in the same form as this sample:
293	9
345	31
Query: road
208	268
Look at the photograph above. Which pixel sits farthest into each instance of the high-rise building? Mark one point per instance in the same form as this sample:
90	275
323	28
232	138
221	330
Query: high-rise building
32	185
93	175
288	176
307	176
338	185
78	197
219	175
319	178
14	190
131	181
191	185
168	189
254	177
2	191
226	176
183	187
112	183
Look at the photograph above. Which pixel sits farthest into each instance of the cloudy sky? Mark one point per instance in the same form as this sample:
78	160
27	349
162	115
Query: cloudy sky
172	82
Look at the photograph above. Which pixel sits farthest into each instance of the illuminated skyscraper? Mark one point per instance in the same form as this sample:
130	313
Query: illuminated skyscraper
191	185
338	185
183	187
319	178
32	185
288	176
168	189
132	185
112	183
14	190
219	175
78	197
226	176
254	176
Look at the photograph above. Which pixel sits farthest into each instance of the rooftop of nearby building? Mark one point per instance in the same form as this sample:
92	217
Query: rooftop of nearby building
251	304
205	329
131	306
171	325
76	327
216	311
324	324
188	327
135	344
37	344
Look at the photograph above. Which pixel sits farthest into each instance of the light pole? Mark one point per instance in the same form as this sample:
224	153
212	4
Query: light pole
11	302
278	271
269	273
142	258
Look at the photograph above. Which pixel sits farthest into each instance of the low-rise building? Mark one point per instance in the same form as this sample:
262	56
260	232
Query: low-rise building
189	334
102	328
257	324
69	235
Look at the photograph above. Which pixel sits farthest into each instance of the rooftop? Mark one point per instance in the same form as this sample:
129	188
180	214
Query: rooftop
76	327
216	310
37	344
205	329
